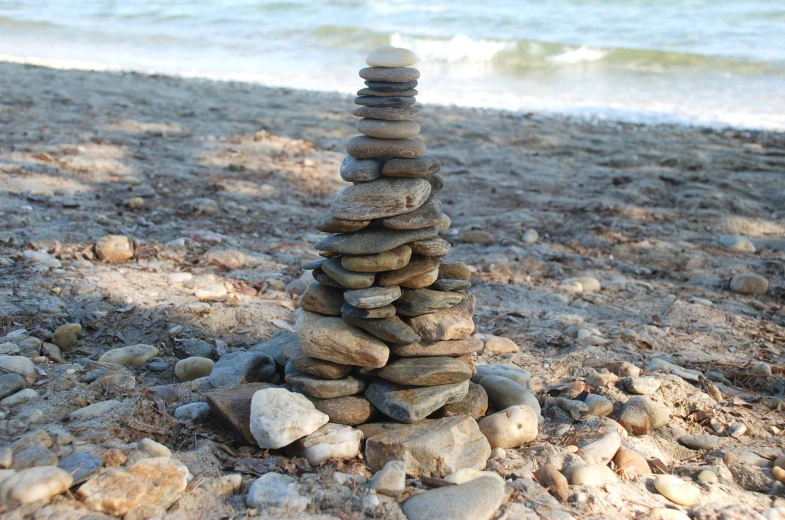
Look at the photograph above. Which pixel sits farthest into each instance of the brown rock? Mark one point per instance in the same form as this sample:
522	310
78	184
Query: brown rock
418	265
477	236
430	247
381	198
112	457
455	348
232	406
429	214
384	261
556	483
629	464
345	277
431	448
390	330
419	167
454	271
363	147
421	281
322	299
351	409
114	249
475	404
312	366
447	324
334	340
426	371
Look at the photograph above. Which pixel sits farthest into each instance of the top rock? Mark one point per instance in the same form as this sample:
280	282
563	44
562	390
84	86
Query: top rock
389	56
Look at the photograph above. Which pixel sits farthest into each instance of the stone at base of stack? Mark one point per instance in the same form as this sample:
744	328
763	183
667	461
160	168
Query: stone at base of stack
386	317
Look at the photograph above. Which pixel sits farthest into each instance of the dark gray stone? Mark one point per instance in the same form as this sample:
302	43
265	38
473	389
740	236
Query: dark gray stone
370	241
451	285
391	330
354	170
276	346
391	85
416	302
242	367
81	466
351	311
410	404
195	347
10	384
391	101
388	113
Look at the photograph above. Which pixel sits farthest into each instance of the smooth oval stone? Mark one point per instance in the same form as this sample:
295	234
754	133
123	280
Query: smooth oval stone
364	147
387	311
417	265
429	214
325	388
396	74
700	442
454	271
677	490
503	393
419	167
590	475
737	243
426	371
630	464
599	405
436	182
382	198
445	284
388	113
329	224
454	348
475	404
416	302
351	409
322	299
335	270
410	404
601	450
511	427
372	297
391	85
390	330
389	56
478	499
193	368
387	130
749	283
368	241
385	101
386	93
384	261
354	170
641	385
430	247
131	356
512	372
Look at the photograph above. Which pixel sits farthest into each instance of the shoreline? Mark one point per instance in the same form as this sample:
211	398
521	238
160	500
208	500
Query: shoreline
623	116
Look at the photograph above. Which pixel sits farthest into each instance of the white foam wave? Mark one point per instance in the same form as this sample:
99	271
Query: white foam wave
577	55
456	49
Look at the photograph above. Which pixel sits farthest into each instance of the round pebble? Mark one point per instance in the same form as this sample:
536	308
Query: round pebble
66	336
749	283
530	236
677	490
707	476
389	56
511	427
737	243
192	368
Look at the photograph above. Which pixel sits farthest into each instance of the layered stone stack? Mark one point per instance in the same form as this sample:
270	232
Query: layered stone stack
386	317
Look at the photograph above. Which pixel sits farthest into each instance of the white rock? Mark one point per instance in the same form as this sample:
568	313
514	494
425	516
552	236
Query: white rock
211	292
5	474
499	345
663	513
602	450
774	513
530	236
677	490
391	479
22	396
280	417
641	385
94	410
225	485
511	427
586	284
389	56
189	412
498	453
331	441
130	356
468	474
154	449
192	368
590	475
274	493
599	405
19	365
32	484
737	243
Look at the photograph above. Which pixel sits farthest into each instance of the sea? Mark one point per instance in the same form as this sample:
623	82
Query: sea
718	63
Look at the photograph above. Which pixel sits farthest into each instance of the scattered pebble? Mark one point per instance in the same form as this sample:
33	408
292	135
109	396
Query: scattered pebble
331	441
599	406
700	442
115	249
511	427
530	236
189	412
677	490
280	417
641	385
30	485
708	477
131	356
391	479
193	368
66	336
275	493
499	345
737	243
590	475
749	283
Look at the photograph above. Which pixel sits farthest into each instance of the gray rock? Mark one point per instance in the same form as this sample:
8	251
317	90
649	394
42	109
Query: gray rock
504	392
81	466
598	405
373	297
364	147
158	366
416	302
275	493
388	113
329	224
382	198
191	411
391	85
429	214
410	404
387	101
445	284
397	74
390	330
478	499
10	384
419	167
426	371
475	404
641	385
322	299
700	442
276	346
325	388
749	283
195	347
242	367
519	375
32	457
376	240
353	170
384	93
388	311
345	277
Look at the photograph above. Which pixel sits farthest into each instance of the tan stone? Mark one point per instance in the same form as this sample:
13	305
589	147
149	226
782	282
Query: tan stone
381	198
447	324
115	249
332	339
630	464
456	347
417	265
386	261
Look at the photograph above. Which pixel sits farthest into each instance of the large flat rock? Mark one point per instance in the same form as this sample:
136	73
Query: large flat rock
410	404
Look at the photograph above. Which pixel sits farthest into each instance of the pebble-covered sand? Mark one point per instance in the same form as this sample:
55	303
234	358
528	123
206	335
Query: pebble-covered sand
629	284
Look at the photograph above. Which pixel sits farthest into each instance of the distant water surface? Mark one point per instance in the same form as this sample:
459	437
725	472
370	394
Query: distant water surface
713	62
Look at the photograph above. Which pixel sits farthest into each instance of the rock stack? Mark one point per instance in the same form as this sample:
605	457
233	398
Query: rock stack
386	316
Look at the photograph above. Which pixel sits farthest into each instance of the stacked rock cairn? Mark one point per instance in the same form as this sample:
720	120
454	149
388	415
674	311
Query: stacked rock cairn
386	317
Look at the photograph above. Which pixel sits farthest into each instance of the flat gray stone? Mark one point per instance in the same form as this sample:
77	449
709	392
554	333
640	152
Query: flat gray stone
419	167
386	197
322	299
350	279
700	442
388	311
329	224
364	147
519	375
354	170
446	284
388	113
241	367
373	297
429	214
390	101
390	330
391	85
454	348
426	371
410	404
397	74
386	93
384	261
325	388
11	383
503	393
368	241
416	302
478	499
81	466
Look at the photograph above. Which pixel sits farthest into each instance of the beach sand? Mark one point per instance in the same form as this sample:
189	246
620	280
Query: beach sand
640	208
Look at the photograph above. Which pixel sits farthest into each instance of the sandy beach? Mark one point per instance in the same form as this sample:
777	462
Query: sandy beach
224	181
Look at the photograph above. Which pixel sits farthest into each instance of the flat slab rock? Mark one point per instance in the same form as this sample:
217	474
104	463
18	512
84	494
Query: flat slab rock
364	147
325	388
390	330
454	348
426	371
478	499
431	448
332	339
410	404
419	167
416	302
381	198
369	241
384	261
446	324
373	297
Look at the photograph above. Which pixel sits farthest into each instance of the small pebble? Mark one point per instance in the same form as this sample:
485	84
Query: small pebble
189	412
736	430
749	283
641	385
707	476
530	236
737	243
33	484
391	479
134	203
66	336
154	449
193	368
677	490
700	442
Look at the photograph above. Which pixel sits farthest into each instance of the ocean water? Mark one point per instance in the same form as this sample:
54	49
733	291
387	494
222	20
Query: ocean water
706	62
